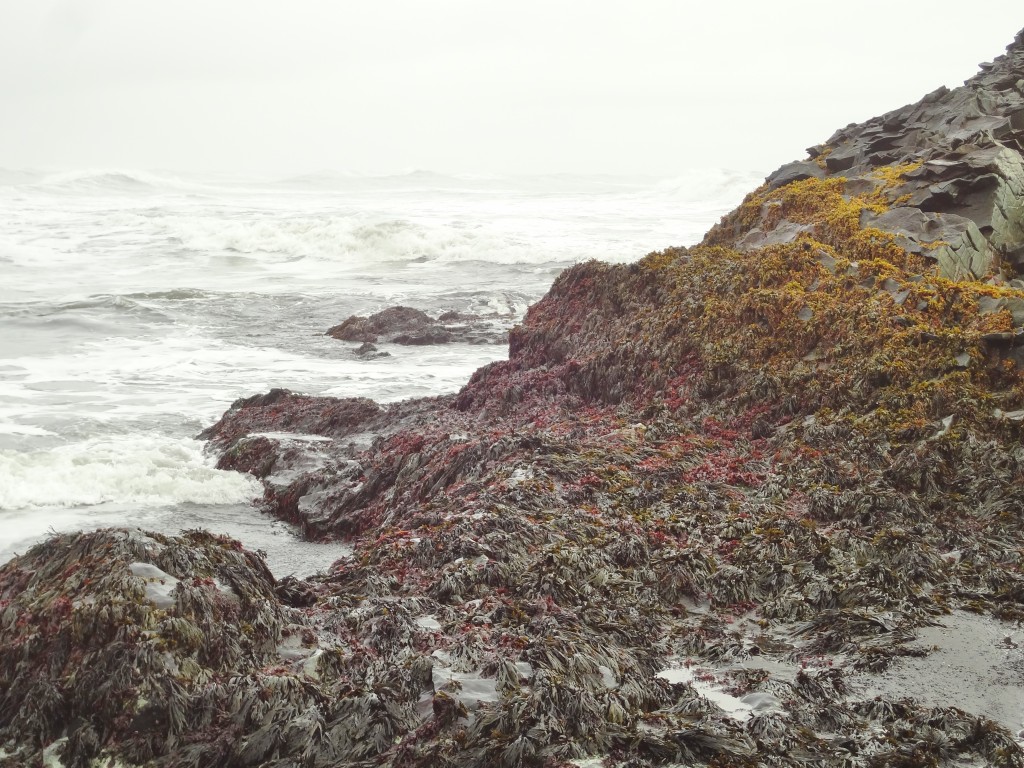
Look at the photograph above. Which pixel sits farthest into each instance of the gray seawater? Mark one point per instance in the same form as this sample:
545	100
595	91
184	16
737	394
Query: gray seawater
136	307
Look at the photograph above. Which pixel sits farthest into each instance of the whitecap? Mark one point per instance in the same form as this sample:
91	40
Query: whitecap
112	180
143	470
7	428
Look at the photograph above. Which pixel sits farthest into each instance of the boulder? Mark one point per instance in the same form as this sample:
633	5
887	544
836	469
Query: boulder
391	321
370	351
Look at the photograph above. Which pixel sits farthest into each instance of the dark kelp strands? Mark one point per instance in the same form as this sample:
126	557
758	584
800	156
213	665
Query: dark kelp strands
778	455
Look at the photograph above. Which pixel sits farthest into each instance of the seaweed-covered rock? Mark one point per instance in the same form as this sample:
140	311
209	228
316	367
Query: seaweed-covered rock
282	411
132	643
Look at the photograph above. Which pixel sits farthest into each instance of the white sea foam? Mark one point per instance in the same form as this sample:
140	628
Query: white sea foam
141	470
127	232
23	429
350	240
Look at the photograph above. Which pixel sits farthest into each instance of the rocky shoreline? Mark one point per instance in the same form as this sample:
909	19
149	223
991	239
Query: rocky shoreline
725	506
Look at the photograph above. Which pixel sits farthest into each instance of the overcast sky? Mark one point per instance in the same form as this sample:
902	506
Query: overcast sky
380	86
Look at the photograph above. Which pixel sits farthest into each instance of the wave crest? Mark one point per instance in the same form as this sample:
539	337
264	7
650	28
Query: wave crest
113	181
354	240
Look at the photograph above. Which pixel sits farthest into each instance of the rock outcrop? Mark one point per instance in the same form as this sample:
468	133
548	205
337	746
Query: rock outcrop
413	327
707	500
960	195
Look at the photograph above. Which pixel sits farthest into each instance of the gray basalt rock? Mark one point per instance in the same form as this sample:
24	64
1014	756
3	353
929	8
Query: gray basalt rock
964	204
786	232
955	242
797	171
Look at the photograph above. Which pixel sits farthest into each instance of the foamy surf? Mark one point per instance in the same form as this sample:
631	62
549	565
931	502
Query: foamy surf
141	470
165	485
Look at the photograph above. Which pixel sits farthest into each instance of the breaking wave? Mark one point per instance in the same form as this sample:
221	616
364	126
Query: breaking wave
351	239
140	470
129	182
713	186
11	177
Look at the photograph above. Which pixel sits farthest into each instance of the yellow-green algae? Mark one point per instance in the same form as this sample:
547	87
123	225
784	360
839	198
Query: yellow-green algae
820	315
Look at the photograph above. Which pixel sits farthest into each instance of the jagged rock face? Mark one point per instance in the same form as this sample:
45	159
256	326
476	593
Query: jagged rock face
962	202
775	456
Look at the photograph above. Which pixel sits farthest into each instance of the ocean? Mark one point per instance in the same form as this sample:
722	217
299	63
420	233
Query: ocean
137	306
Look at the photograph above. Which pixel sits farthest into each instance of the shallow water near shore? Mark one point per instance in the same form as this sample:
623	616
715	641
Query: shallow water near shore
973	662
970	661
138	306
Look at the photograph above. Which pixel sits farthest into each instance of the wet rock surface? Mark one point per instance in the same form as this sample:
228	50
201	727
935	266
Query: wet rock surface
708	512
413	327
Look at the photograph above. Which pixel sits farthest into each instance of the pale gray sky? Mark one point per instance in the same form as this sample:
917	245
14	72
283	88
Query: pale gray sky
379	86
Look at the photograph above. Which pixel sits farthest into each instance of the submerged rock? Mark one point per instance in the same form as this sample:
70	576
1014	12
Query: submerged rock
707	502
370	351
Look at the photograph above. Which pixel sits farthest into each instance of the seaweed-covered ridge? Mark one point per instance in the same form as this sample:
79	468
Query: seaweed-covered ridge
709	498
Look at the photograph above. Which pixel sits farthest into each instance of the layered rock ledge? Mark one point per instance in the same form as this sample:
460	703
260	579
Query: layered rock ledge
733	505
